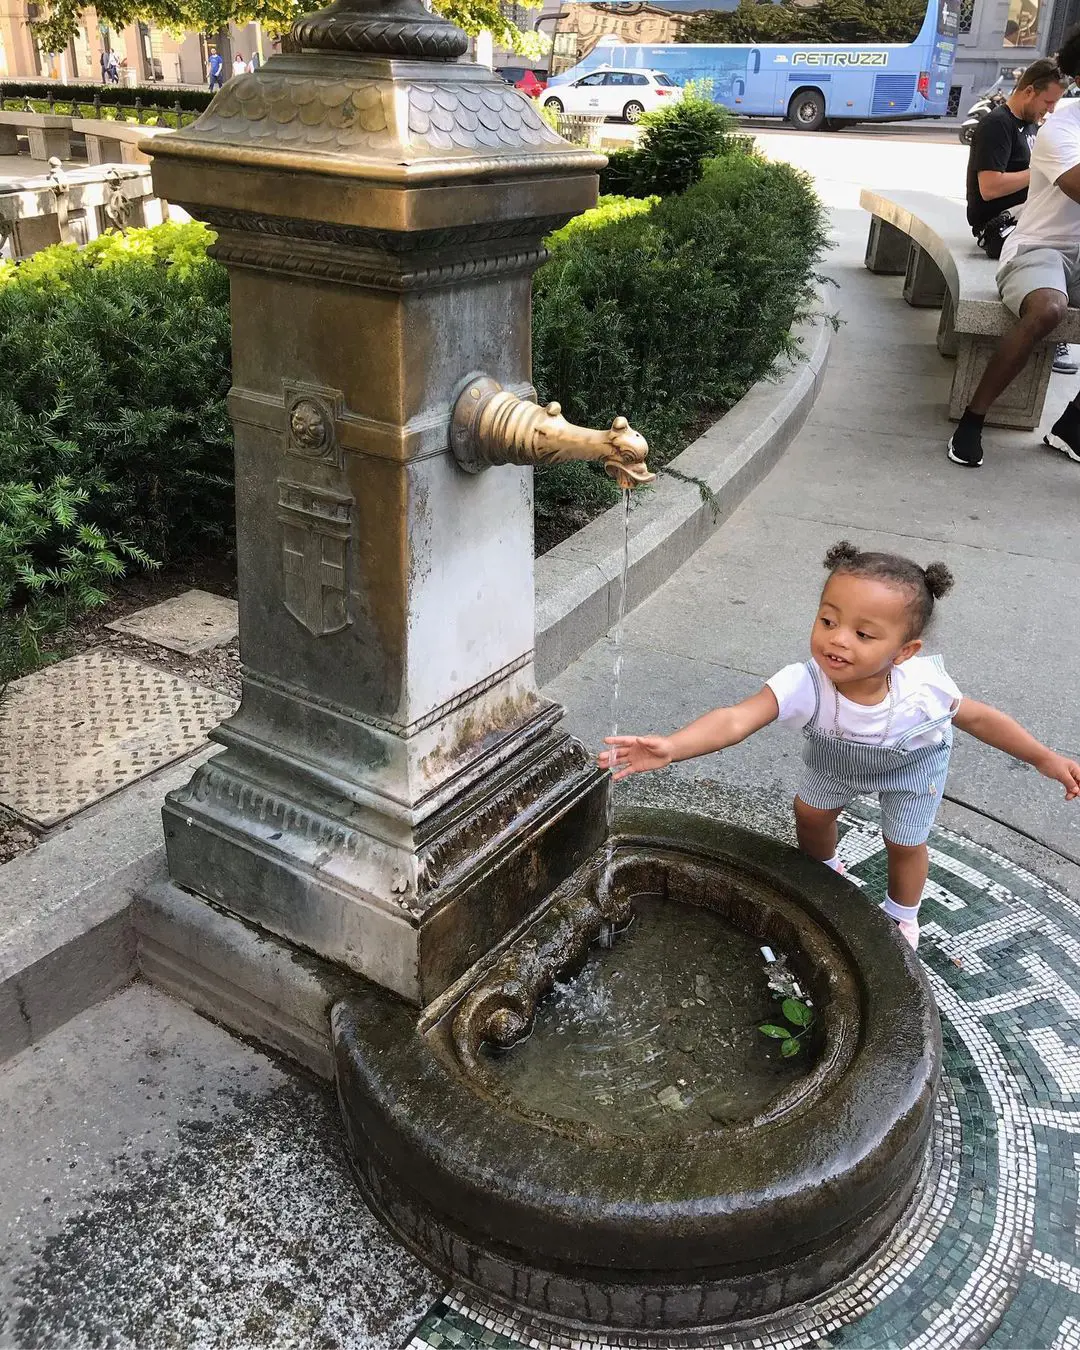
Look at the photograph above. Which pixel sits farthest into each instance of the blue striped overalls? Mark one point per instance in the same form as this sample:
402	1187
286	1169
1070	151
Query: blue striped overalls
908	783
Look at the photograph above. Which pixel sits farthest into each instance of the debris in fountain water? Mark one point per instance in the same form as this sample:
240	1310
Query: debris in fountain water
781	981
767	953
702	987
671	1099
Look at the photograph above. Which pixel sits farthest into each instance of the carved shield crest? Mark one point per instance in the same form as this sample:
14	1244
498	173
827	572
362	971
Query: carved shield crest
315	527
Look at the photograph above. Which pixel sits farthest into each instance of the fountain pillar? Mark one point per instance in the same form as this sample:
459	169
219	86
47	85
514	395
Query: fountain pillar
394	793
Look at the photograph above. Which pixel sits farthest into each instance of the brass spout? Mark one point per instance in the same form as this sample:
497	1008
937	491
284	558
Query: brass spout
492	426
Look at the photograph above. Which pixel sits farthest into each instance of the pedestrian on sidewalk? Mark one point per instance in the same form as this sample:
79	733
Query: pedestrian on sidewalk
114	68
215	69
104	59
1039	276
239	65
998	171
877	717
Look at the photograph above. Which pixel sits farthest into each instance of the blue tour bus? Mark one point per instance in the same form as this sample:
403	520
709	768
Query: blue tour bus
814	85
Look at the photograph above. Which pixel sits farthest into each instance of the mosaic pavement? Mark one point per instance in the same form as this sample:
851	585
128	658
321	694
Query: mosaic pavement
988	1255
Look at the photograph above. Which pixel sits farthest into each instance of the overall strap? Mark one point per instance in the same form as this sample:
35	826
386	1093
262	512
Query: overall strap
811	666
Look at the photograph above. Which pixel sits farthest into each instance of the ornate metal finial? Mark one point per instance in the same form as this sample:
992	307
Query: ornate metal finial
402	28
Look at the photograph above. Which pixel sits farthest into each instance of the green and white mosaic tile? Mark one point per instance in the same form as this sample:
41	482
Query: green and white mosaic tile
988	1255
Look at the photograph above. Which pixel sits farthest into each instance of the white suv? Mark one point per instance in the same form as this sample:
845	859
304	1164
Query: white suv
613	93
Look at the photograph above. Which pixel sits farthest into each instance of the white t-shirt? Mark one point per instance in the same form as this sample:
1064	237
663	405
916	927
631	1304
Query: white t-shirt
922	692
1050	219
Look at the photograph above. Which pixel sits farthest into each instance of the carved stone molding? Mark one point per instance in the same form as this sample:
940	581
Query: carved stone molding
281	256
389	241
479	824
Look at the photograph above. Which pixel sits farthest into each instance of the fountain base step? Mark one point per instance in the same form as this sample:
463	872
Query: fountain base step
608	1222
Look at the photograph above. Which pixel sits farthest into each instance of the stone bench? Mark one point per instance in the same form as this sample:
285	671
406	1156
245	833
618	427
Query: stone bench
49	134
74	206
927	240
110	142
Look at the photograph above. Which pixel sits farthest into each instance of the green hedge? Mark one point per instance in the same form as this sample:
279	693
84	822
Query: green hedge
115	444
669	316
110	95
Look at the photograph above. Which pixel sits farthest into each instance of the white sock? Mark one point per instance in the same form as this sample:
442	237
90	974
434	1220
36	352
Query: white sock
901	913
835	863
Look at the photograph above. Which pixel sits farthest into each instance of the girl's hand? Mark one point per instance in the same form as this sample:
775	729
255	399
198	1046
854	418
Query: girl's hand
1066	771
639	754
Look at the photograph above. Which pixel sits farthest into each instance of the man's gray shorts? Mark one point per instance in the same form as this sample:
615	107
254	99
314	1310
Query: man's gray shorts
1036	269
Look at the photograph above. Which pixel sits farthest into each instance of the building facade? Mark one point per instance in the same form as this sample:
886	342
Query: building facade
147	55
999	36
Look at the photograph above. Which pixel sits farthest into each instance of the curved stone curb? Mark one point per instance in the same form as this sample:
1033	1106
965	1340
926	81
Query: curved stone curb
577	582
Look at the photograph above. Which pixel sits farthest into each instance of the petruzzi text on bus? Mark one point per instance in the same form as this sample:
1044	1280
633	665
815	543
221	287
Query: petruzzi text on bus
840	59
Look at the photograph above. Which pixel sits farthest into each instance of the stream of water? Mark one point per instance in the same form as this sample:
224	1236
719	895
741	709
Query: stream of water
609	855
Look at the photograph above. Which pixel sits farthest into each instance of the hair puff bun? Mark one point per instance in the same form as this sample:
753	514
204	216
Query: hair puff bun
939	580
843	551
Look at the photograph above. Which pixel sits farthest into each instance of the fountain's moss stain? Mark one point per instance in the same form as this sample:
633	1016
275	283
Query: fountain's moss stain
251	1222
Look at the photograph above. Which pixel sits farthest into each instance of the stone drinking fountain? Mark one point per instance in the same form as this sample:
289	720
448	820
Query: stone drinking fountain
548	1058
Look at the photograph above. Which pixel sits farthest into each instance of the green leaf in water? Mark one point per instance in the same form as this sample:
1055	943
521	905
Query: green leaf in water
797	1013
789	1047
777	1033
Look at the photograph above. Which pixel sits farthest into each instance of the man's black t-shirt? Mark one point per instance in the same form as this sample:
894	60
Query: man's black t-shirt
1002	143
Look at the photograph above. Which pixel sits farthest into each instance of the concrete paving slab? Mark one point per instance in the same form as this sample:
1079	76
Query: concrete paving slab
79	730
163	1184
190	623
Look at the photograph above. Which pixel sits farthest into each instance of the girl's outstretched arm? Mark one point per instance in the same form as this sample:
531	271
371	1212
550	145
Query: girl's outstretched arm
994	728
715	731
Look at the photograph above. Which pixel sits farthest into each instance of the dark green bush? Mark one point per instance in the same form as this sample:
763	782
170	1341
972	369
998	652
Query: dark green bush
676	141
668	317
115	443
115	95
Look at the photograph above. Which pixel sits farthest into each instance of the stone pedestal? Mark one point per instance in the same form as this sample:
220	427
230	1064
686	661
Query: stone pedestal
886	249
394	793
1022	403
9	140
924	286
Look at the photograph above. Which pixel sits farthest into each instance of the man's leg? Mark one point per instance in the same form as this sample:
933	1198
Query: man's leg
1040	313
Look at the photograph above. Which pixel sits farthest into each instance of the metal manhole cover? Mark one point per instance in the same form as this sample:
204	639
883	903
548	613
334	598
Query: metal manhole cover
80	730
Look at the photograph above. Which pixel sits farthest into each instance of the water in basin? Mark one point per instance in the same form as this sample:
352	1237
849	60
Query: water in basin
658	1032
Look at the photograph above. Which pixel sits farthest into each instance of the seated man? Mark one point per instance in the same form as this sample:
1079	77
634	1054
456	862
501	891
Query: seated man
998	174
1039	272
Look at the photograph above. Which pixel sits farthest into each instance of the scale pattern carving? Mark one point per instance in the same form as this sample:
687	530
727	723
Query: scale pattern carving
360	117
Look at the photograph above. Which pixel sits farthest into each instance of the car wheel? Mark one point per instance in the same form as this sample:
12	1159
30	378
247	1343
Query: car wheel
806	111
554	104
632	112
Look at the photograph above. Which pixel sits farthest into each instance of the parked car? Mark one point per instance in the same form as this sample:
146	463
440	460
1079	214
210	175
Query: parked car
531	82
614	93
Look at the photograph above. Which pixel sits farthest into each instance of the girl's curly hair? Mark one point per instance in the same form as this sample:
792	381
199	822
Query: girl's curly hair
924	584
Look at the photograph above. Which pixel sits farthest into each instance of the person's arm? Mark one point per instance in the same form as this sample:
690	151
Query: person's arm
994	183
994	728
715	731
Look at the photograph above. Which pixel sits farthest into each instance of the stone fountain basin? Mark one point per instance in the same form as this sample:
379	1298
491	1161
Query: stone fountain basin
691	1227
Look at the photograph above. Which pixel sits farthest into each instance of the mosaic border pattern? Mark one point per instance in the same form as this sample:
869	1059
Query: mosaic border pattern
988	1254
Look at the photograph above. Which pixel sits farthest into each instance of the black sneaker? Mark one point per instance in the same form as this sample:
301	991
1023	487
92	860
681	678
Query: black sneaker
965	446
1064	363
1064	435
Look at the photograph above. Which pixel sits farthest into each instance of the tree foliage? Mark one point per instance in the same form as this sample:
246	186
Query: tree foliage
210	16
827	21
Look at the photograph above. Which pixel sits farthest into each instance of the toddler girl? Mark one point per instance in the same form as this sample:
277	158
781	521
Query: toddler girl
877	717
